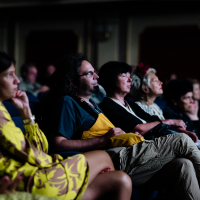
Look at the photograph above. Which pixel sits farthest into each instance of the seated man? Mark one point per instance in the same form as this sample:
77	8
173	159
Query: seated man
29	74
70	115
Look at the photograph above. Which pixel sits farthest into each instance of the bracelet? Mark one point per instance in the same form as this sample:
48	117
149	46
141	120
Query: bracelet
26	121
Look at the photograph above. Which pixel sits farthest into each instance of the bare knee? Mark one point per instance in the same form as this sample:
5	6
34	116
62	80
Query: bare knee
125	179
100	158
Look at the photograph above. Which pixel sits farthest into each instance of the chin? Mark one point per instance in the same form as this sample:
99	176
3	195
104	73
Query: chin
96	89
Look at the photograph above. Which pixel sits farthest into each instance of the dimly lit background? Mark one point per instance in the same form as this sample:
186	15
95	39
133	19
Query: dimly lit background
165	34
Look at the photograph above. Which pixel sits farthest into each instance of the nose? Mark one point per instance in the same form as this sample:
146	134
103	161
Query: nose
129	79
96	75
191	100
16	81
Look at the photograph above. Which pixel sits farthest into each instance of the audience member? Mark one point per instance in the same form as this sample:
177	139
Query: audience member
129	116
47	80
179	97
146	87
148	163
196	88
83	176
169	77
29	74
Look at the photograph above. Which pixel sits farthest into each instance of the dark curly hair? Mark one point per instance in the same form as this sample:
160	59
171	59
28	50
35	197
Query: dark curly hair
66	73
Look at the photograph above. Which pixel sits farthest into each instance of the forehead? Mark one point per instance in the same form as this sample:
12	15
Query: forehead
188	94
195	85
10	69
152	76
85	67
32	68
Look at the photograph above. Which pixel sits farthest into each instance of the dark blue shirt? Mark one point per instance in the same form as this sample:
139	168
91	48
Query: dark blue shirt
69	119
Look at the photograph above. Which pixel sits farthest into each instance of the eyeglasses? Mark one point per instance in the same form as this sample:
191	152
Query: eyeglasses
89	74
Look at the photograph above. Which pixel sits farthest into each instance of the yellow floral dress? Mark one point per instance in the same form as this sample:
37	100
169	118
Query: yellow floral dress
25	154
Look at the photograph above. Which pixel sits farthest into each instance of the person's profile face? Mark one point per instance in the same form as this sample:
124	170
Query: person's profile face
31	76
186	102
196	91
51	69
124	83
156	85
88	79
8	83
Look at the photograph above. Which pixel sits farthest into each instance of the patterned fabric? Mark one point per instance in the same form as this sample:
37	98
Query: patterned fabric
151	109
26	155
24	196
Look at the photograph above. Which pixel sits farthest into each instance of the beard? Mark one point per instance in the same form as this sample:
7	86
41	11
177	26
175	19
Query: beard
96	89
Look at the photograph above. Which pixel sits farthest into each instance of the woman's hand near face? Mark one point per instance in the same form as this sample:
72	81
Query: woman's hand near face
21	102
175	122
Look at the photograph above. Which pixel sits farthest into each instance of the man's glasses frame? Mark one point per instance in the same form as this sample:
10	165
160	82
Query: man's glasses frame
89	74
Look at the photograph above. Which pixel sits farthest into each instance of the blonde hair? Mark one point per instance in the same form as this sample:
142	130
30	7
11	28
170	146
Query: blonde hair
137	84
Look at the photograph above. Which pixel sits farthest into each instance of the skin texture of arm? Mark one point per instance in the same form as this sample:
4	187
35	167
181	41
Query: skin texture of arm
145	128
61	143
175	122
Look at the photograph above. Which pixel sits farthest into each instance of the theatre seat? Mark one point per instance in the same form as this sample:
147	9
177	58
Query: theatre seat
18	122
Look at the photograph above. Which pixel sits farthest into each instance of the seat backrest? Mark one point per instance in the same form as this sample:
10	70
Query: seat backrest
11	108
18	122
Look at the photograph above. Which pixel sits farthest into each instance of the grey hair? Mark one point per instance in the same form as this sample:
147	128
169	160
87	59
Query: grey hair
136	87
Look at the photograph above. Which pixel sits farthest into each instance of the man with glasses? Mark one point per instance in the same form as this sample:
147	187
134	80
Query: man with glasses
70	112
29	74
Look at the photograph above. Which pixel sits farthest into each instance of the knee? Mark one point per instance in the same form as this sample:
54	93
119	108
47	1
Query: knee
183	138
124	180
184	166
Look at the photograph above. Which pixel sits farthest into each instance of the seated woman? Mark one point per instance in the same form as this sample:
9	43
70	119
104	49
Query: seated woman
25	155
145	87
115	78
180	102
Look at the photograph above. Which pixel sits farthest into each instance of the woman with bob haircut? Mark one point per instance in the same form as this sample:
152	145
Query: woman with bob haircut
83	176
115	78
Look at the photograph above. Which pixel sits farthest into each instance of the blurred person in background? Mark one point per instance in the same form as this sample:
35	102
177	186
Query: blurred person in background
169	77
29	74
47	80
193	112
180	102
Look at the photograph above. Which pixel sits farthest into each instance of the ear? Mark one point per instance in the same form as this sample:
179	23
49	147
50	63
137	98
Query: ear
145	90
72	84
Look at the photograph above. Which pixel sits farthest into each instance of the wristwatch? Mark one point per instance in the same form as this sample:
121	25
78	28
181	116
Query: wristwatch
26	121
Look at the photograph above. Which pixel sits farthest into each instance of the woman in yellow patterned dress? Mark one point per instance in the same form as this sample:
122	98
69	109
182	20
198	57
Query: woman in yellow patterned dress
25	154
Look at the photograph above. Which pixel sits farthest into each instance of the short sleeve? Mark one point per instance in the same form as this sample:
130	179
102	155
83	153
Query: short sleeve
68	117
